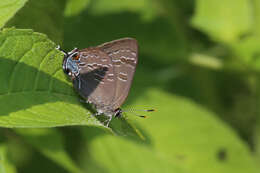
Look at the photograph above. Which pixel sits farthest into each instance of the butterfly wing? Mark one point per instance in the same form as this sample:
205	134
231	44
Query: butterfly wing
96	80
124	56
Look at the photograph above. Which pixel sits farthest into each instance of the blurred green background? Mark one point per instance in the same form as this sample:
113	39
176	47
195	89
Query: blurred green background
198	67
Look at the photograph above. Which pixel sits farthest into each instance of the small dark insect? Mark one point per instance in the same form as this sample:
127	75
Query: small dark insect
222	154
103	74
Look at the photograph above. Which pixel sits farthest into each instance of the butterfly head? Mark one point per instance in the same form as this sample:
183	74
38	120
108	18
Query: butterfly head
70	66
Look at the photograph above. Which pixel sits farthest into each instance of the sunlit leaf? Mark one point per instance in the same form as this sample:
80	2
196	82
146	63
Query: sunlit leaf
74	7
34	90
182	137
6	166
224	20
8	8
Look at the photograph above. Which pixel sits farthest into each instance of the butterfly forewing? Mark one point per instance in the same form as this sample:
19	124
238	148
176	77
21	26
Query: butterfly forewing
124	57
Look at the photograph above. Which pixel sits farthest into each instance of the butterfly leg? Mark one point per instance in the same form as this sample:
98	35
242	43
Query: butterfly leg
109	120
95	114
82	101
106	122
118	113
79	82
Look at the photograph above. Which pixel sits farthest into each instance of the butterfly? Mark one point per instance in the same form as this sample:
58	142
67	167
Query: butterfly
103	75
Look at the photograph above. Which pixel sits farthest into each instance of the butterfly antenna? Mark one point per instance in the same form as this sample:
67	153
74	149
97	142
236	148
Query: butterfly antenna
133	111
58	48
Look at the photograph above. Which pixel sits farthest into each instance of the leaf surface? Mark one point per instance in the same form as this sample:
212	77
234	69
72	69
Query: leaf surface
183	137
8	8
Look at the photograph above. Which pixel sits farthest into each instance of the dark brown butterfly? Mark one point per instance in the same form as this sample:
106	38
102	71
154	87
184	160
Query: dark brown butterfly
103	74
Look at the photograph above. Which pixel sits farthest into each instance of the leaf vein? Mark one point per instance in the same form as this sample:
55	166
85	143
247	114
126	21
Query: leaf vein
44	118
12	76
51	82
38	71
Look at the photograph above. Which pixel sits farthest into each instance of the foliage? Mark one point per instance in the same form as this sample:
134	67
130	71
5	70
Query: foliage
8	9
198	67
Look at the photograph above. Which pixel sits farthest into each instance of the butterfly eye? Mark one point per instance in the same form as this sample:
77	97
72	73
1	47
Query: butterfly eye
67	71
75	57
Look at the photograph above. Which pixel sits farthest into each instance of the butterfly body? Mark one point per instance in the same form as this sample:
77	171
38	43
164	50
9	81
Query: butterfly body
103	74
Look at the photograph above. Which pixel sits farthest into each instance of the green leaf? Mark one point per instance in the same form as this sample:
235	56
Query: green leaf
105	154
8	8
246	48
256	7
247	51
44	16
223	20
257	141
50	143
6	165
74	7
34	90
146	8
183	137
256	135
